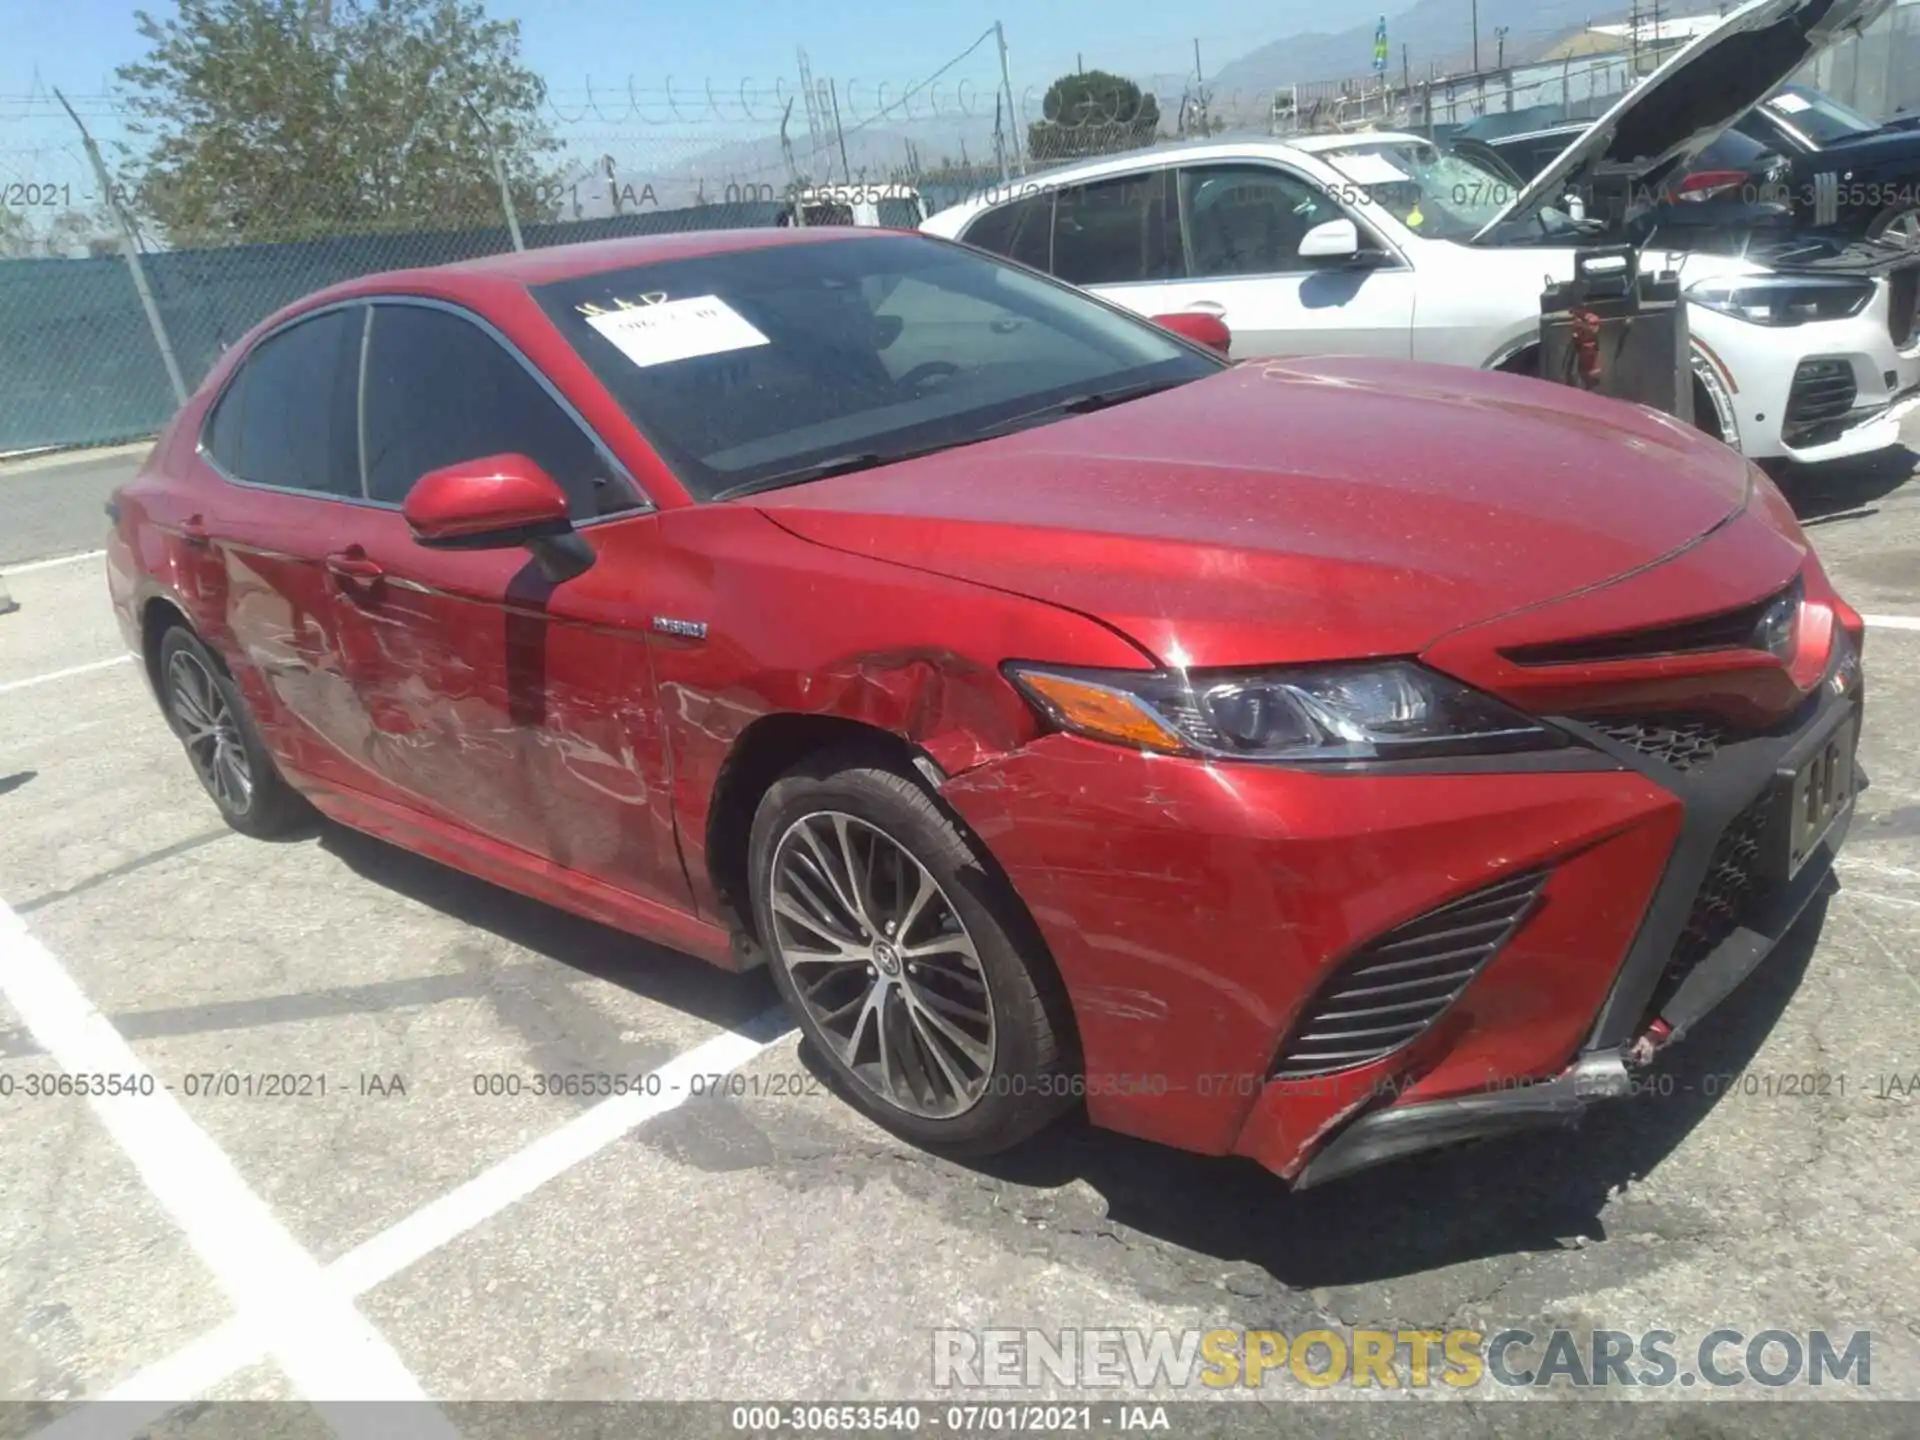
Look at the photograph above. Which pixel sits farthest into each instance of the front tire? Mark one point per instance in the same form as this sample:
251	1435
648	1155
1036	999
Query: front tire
205	709
911	966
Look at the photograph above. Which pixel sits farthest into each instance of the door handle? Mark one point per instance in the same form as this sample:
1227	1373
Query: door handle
353	564
193	531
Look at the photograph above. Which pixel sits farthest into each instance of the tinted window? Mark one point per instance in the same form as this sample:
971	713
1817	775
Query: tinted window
1250	219
1116	231
1022	231
745	367
287	418
440	390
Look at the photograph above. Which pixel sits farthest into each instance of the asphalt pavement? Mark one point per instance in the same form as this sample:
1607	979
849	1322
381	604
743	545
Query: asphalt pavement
393	1221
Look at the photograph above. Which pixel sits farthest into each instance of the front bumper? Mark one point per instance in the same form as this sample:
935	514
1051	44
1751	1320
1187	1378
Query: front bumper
1604	1068
1752	370
1196	912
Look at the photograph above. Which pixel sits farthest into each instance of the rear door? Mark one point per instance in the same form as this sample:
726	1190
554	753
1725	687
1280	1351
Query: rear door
282	486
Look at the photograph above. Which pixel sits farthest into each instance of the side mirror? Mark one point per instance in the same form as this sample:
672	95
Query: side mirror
1332	240
498	502
1199	327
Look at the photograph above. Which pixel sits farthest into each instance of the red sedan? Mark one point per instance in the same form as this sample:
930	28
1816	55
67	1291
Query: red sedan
1318	761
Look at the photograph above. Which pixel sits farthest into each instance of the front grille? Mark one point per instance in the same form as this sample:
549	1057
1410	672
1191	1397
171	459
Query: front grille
1903	304
1823	392
1731	883
1677	740
1388	993
1727	630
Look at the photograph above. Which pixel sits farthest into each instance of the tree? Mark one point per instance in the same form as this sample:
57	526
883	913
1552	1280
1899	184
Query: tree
286	119
1092	112
79	232
16	235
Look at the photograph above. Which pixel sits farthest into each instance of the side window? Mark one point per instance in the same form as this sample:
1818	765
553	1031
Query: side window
1022	231
1113	232
440	390
287	418
1250	219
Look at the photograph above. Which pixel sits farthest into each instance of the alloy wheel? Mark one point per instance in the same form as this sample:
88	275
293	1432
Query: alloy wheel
883	964
210	731
1903	230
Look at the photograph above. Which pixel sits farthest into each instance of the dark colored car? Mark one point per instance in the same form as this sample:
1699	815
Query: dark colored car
1844	171
1800	160
1735	187
1318	761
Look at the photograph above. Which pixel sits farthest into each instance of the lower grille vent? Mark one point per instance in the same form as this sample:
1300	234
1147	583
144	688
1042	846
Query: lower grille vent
1390	992
1675	740
1731	882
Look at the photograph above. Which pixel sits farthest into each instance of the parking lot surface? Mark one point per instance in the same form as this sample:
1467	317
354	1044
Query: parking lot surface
346	1182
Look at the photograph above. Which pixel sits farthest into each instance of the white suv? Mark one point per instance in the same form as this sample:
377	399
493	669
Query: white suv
1385	244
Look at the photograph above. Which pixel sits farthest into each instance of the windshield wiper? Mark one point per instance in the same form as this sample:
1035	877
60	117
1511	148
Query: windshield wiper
838	465
873	459
1076	405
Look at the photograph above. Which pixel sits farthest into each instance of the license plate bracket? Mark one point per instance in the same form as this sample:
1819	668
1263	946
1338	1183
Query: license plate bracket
1811	799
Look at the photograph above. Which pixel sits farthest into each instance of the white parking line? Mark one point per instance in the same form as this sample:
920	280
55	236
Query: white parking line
67	674
141	1399
33	565
322	1343
1893	622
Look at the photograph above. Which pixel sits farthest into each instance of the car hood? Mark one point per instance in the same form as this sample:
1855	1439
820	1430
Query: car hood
1656	129
1296	511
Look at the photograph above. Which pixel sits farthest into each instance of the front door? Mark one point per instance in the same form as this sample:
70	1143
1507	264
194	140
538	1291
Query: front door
1241	225
519	709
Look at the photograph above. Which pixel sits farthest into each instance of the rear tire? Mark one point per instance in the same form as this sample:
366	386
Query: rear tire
1901	222
909	962
207	713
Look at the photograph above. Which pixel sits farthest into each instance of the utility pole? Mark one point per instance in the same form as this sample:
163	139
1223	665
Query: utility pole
1500	39
1633	43
1476	37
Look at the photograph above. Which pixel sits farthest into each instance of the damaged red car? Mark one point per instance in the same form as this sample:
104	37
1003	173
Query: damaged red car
1318	761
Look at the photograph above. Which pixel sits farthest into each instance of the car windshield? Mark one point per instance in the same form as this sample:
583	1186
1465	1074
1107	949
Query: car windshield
1821	118
770	365
1433	192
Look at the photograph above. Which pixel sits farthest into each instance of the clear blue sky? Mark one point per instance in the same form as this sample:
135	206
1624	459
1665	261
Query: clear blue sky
76	43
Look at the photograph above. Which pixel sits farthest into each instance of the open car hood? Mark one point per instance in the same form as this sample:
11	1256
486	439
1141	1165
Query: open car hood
1659	126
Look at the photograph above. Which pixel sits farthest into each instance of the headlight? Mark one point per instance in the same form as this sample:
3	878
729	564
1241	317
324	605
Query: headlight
1374	711
1783	299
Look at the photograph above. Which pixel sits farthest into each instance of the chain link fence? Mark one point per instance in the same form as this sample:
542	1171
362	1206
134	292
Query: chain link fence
84	353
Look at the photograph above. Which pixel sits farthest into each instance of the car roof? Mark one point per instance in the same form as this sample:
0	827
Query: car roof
1098	167
550	263
1320	144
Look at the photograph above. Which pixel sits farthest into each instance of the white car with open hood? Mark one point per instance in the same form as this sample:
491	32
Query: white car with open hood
1386	244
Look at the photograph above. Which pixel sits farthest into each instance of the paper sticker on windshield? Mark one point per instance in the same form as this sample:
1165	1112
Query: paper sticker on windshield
677	330
1368	168
1790	104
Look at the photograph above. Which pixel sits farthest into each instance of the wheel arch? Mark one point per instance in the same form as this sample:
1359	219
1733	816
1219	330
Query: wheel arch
158	615
767	749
